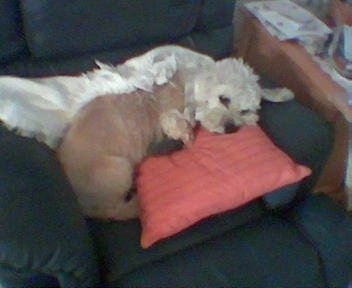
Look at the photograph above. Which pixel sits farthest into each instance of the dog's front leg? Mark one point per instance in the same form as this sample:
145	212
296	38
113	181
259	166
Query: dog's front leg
175	126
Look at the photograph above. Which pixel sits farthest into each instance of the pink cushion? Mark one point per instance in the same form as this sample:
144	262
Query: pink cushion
217	173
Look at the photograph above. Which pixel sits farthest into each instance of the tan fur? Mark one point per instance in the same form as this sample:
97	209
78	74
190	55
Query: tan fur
109	136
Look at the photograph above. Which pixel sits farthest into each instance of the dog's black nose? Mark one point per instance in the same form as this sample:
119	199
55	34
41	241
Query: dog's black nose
230	127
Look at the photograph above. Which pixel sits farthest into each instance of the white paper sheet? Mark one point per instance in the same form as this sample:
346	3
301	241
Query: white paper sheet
287	20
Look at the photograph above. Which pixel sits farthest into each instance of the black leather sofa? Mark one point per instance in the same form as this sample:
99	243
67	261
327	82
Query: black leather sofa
46	242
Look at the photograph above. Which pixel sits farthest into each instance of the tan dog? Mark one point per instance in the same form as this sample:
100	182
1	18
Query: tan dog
112	134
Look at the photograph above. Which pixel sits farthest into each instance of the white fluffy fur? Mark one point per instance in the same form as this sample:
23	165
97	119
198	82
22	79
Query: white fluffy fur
43	107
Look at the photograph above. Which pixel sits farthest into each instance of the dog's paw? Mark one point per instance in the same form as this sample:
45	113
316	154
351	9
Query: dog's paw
175	126
277	94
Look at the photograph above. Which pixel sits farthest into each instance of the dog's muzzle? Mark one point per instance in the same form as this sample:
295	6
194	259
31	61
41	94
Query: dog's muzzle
230	127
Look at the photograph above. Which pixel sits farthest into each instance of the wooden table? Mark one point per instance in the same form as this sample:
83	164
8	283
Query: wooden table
288	64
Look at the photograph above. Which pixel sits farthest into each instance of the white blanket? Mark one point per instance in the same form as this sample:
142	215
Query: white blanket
43	107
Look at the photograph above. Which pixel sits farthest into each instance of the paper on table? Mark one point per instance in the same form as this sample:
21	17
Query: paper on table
287	20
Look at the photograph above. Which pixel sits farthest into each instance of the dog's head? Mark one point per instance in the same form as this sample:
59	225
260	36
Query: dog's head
225	96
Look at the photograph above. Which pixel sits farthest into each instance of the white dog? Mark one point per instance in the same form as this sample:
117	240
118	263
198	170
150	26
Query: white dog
228	96
114	114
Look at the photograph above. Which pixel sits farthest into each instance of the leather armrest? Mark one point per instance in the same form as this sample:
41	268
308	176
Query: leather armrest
329	228
41	227
304	135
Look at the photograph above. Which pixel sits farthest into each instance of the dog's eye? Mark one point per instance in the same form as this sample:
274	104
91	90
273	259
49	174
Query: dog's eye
246	111
224	101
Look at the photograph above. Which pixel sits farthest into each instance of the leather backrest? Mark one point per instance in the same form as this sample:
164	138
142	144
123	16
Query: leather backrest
215	15
11	41
72	27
